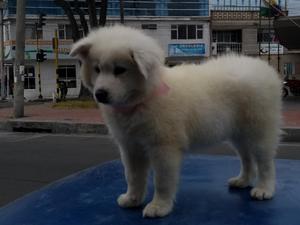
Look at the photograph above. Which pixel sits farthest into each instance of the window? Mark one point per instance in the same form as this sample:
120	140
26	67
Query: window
227	36
227	41
184	31
29	78
266	36
289	69
6	32
64	31
67	74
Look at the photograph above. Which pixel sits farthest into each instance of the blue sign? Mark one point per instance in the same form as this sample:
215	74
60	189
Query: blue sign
197	49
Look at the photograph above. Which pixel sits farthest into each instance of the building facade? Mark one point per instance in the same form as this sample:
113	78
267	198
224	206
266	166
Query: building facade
239	28
182	29
188	31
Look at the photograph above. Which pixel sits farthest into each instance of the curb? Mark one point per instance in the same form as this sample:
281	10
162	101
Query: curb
290	134
55	127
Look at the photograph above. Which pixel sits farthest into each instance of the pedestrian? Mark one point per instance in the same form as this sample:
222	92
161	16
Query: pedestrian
63	90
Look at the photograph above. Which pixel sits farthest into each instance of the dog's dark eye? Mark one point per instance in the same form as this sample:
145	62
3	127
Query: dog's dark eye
119	70
97	69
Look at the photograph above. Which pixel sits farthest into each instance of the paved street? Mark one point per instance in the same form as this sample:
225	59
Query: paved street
29	161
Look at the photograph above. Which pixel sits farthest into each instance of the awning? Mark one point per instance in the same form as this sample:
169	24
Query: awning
287	29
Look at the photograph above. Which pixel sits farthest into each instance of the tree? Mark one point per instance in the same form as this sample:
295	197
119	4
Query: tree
75	9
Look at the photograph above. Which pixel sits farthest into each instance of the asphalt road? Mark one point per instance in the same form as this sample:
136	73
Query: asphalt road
30	161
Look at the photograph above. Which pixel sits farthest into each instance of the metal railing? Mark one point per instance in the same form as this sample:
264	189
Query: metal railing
235	8
227	47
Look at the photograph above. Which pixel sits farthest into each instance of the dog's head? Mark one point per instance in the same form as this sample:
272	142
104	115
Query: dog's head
119	64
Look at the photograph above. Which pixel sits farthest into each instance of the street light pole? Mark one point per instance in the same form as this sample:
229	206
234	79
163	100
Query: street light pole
19	61
38	61
2	71
121	11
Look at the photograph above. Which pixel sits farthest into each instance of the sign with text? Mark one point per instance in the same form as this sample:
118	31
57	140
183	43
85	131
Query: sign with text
274	49
197	49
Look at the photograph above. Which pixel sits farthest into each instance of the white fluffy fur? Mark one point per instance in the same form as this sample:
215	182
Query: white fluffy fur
233	98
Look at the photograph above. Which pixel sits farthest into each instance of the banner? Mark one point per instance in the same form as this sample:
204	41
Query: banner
197	49
270	8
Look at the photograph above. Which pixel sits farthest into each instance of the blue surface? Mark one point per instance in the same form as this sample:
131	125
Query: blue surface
89	198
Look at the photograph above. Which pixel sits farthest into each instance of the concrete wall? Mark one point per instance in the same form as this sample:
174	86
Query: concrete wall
163	32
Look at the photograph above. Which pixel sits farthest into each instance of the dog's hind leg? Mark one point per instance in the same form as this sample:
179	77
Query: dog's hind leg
136	164
248	167
264	158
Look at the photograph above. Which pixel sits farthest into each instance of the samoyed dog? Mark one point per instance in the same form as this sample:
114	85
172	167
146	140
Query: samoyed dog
154	112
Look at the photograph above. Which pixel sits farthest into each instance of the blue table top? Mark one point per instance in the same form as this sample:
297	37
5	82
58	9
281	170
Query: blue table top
89	198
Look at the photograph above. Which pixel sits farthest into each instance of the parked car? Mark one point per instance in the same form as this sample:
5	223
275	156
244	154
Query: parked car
291	88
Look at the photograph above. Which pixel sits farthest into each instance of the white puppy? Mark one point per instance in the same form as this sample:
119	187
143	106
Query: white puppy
155	112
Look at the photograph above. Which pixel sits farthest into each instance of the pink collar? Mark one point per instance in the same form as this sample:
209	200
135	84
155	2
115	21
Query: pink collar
161	90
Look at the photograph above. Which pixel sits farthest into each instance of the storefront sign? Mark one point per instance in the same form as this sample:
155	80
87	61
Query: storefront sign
274	49
197	49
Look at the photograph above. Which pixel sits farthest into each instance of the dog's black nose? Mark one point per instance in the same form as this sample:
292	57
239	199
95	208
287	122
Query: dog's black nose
102	96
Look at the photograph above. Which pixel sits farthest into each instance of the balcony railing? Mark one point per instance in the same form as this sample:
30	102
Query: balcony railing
235	8
227	47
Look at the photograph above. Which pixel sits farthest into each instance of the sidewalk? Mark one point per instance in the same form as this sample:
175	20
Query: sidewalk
43	118
45	112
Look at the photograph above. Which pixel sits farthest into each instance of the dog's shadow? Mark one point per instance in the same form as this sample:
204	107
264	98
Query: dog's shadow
243	193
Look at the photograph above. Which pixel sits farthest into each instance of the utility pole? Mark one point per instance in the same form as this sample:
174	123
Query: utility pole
19	61
259	30
55	48
38	61
2	71
39	52
122	11
269	28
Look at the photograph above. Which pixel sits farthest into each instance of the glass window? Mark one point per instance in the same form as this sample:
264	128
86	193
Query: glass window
182	34
191	32
64	31
67	74
131	8
227	36
199	31
266	36
61	31
68	32
228	40
29	78
173	34
186	31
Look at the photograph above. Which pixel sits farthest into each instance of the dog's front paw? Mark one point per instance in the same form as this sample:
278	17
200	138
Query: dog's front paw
238	182
128	201
157	209
260	193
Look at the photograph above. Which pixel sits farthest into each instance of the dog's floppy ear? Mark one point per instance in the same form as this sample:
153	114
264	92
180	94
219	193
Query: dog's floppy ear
147	62
81	48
